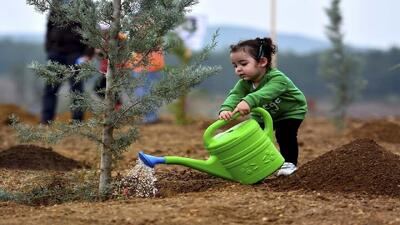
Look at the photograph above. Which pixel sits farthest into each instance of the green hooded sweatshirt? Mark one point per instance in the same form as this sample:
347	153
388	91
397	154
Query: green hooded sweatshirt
276	93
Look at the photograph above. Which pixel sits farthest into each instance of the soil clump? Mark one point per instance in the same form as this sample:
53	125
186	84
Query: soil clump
360	167
32	157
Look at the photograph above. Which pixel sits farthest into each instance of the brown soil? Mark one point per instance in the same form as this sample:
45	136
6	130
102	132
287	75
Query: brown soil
339	186
185	181
7	110
361	167
67	116
380	130
31	157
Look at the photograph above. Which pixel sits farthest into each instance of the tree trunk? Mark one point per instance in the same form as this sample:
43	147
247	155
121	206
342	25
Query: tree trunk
109	98
108	139
181	109
106	160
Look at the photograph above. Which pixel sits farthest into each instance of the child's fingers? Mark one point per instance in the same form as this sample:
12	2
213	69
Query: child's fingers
222	116
235	111
245	112
242	113
226	115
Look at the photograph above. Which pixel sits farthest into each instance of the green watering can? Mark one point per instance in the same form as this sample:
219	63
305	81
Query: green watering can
244	153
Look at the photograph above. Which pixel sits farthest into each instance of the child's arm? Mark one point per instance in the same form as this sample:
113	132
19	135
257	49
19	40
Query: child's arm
243	108
267	93
234	97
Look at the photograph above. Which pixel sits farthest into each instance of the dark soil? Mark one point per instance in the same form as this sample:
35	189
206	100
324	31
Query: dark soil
36	158
379	130
174	182
361	167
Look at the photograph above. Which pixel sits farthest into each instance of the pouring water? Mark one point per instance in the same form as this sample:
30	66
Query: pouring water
139	182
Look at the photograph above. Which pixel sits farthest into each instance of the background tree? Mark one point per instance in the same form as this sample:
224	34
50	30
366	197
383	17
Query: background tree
143	23
341	70
183	54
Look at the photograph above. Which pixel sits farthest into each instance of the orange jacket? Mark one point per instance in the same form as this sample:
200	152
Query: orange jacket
156	62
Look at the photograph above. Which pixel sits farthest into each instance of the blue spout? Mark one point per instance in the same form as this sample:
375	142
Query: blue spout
150	160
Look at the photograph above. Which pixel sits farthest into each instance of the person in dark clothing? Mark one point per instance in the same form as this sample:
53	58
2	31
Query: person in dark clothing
63	45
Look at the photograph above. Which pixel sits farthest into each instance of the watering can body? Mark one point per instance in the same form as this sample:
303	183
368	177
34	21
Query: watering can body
244	153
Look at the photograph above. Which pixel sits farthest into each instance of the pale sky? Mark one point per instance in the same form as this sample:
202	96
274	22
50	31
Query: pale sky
367	23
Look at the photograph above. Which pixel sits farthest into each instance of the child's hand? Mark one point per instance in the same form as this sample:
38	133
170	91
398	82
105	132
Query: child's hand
243	108
225	115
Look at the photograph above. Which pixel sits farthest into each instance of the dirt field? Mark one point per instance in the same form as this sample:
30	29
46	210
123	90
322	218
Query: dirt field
348	178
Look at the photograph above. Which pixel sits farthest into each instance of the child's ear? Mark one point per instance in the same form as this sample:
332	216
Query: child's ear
263	62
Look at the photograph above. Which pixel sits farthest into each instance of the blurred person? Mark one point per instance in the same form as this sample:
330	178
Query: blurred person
153	73
261	85
152	70
100	83
63	45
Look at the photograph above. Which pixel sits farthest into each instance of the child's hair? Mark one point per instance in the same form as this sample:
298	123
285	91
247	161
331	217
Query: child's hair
257	48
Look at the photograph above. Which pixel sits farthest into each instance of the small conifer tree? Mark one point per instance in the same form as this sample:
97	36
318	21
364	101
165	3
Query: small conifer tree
143	23
341	70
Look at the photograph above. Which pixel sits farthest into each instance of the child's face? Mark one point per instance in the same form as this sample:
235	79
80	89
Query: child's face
246	67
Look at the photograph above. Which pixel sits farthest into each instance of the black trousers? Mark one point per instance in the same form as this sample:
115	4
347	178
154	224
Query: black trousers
286	136
49	99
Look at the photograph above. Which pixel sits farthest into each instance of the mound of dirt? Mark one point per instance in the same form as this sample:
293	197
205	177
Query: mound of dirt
361	167
380	130
36	158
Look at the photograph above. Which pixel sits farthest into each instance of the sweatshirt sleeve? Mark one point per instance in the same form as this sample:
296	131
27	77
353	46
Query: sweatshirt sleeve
234	97
271	90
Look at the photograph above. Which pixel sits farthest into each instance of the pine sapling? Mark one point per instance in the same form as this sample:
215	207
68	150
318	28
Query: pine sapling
132	26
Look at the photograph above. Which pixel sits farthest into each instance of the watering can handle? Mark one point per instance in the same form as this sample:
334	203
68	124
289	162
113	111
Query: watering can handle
268	124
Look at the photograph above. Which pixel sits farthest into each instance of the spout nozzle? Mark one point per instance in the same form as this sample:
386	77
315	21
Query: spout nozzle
150	160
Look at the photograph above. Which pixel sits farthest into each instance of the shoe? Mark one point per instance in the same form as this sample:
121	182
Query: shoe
286	169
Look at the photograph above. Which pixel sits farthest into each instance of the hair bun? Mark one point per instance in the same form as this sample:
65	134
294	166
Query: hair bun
261	41
269	45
